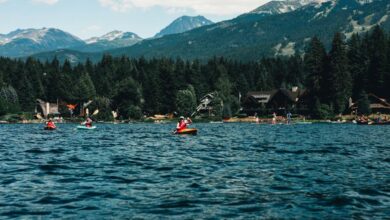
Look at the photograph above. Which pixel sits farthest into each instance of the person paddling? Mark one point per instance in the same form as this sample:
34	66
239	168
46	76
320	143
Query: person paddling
88	122
50	125
182	124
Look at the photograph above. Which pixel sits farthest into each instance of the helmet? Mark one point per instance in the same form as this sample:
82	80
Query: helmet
182	117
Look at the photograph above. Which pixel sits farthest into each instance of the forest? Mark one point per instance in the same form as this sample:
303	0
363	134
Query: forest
136	87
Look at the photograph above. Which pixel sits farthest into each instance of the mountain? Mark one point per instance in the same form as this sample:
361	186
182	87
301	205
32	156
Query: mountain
280	7
24	42
252	36
183	24
72	56
112	40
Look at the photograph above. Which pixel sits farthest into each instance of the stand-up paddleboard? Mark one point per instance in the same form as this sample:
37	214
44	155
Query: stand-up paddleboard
304	123
81	127
192	131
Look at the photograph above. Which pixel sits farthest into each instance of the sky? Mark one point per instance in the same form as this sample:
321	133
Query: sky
90	18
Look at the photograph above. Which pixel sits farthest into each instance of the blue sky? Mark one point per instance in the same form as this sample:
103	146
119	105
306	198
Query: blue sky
88	18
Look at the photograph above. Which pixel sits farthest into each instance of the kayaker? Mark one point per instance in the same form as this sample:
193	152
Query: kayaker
182	124
50	124
88	122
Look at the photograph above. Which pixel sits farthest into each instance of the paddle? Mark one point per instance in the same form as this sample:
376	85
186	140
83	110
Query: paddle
95	112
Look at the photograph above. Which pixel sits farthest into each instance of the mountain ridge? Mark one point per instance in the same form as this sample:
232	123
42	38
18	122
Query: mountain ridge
183	24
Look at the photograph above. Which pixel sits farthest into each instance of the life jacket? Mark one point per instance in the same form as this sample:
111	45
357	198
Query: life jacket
50	124
182	125
88	123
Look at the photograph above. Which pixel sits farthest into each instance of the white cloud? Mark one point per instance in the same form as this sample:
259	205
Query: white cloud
49	2
214	7
3	1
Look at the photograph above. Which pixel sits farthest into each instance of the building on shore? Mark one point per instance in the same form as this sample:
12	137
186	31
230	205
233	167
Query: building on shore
280	101
377	105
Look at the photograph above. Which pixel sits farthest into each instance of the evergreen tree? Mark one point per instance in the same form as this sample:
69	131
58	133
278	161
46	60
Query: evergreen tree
186	101
84	90
224	88
363	104
377	69
314	65
340	77
357	65
127	96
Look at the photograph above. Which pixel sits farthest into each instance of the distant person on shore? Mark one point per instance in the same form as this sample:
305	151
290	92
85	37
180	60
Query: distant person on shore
274	118
182	124
257	118
50	124
289	115
88	122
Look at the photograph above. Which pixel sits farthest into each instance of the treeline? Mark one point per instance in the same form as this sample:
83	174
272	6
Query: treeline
135	87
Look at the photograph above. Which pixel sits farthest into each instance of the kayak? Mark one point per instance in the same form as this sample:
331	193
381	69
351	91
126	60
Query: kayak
49	128
188	131
81	127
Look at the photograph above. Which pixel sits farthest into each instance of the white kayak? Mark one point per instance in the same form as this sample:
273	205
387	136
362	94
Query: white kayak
81	127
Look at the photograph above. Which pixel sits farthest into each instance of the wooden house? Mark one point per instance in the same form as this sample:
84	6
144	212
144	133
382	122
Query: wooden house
278	100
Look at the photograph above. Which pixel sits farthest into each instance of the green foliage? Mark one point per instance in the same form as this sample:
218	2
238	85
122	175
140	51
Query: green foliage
84	90
322	111
9	100
3	107
159	85
104	106
134	112
186	101
340	80
127	94
217	106
363	104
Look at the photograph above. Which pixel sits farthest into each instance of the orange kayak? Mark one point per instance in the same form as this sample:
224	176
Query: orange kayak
188	131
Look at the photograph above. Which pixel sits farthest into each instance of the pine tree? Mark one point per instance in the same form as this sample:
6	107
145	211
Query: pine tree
363	104
127	95
358	60
84	90
377	68
340	77
314	66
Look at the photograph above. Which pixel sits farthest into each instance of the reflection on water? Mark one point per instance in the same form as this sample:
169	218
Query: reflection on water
228	170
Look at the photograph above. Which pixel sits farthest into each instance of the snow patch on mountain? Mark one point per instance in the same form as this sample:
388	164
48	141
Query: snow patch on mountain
112	36
284	6
286	50
362	2
356	27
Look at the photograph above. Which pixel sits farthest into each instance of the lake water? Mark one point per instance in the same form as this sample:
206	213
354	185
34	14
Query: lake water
226	171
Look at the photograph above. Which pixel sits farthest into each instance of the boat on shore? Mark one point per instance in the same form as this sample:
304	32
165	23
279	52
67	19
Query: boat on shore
373	123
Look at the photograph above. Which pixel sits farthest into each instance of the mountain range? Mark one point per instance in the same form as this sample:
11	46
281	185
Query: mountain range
26	42
29	41
278	28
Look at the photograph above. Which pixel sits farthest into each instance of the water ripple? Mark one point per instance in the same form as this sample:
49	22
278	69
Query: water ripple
243	171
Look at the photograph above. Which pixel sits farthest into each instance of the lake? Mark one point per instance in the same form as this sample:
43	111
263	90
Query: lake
245	171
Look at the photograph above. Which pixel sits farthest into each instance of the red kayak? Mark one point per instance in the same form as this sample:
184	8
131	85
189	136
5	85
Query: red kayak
192	131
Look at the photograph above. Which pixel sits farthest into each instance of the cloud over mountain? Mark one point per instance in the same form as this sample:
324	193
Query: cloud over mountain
215	7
